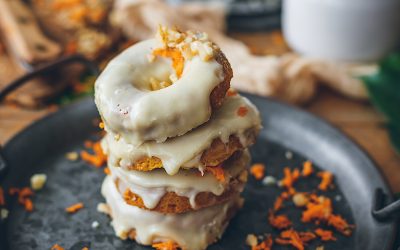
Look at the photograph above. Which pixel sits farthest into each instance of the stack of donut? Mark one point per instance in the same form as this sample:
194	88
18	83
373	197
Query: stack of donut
176	141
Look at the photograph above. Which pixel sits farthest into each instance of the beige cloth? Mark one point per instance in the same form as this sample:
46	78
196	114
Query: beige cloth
289	77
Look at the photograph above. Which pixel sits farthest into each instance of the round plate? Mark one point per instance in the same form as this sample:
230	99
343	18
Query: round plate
41	148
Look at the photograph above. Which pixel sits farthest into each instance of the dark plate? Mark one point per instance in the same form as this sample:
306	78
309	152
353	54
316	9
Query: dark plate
41	148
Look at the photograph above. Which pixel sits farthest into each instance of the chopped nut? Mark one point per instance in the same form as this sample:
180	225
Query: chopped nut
300	199
95	224
3	214
38	181
72	156
251	240
288	155
103	208
269	180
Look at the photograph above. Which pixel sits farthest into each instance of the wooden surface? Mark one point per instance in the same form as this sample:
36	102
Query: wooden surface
356	119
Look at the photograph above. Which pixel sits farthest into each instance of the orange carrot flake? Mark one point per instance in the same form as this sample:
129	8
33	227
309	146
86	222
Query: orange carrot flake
74	208
290	237
242	111
24	195
325	235
57	247
319	208
85	248
98	158
265	244
167	245
326	180
279	221
217	171
257	170
231	92
178	60
307	169
340	224
278	203
107	171
290	177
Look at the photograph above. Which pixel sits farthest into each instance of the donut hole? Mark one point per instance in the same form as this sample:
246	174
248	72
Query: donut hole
153	76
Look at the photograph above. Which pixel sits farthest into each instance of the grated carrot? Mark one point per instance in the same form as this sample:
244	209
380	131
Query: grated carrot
307	169
2	201
278	221
57	247
290	237
24	195
257	170
85	248
178	60
278	203
242	111
107	171
340	224
306	236
167	245
318	208
98	158
265	244
326	181
231	92
290	177
325	235
217	171
74	208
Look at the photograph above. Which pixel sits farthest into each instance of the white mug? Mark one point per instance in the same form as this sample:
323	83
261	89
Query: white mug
345	30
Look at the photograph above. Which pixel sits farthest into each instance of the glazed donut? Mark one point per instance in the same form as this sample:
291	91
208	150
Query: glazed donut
233	127
192	231
142	96
185	191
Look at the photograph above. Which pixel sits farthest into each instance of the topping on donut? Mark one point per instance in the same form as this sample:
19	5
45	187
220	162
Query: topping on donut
181	46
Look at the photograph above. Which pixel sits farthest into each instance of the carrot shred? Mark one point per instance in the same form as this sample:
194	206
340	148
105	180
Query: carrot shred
257	170
290	237
278	203
265	244
24	195
57	247
178	60
306	236
231	92
217	171
340	224
318	208
326	181
74	208
107	171
85	248
2	201
325	235
98	158
307	169
278	221
242	111
290	177
167	245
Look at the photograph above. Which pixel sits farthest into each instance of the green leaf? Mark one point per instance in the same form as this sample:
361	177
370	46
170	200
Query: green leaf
384	92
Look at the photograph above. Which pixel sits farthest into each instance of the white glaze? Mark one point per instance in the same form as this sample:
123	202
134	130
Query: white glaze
185	151
129	108
151	187
192	231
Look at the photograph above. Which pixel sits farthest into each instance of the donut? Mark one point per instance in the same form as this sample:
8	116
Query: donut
234	126
142	96
149	227
176	195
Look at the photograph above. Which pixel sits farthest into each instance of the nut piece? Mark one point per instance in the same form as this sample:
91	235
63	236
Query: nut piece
251	240
3	214
300	199
38	181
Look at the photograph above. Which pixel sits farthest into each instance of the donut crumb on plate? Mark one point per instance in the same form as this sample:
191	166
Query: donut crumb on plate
38	181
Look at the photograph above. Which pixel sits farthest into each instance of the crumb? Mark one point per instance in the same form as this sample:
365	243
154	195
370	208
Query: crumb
103	208
320	248
288	155
57	247
4	214
38	181
269	180
95	224
257	170
251	240
72	156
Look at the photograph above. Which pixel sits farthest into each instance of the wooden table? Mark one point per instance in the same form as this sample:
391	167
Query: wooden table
356	119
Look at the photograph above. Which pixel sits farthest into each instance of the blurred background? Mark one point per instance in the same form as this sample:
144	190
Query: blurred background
338	59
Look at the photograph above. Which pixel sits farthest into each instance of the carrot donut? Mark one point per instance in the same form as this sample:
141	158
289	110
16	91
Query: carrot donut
191	231
142	96
233	127
185	191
